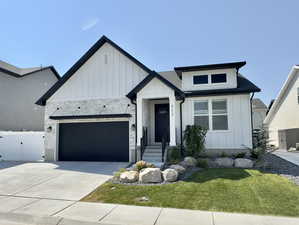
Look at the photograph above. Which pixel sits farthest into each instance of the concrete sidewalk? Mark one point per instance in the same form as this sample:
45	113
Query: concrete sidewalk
48	212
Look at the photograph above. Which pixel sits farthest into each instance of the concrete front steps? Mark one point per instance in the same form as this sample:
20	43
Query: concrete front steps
153	154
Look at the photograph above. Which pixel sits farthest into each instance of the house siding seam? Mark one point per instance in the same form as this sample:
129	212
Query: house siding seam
112	106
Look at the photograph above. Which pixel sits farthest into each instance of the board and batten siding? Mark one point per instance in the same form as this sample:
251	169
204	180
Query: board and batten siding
238	135
187	80
107	74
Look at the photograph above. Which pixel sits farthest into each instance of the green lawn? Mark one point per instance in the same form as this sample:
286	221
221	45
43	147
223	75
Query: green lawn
230	190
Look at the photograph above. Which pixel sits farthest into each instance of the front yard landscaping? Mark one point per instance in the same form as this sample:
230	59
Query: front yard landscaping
220	189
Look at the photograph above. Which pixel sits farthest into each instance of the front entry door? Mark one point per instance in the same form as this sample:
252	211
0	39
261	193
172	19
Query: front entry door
161	122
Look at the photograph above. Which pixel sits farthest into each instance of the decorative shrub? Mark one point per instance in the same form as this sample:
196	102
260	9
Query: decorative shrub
194	139
119	172
223	154
260	139
202	163
143	164
256	153
240	155
174	155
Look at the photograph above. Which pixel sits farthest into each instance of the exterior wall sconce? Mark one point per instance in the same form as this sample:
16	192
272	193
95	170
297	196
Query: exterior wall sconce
133	127
49	129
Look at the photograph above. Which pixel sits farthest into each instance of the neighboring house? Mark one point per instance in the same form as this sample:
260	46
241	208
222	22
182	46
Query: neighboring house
20	88
282	119
108	105
259	111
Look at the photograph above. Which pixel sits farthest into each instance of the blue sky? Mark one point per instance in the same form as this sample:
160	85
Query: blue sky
161	34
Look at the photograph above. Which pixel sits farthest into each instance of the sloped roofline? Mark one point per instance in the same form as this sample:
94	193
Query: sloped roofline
16	75
153	74
81	61
277	103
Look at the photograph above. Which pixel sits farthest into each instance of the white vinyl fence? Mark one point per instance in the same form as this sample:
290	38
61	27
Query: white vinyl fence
21	146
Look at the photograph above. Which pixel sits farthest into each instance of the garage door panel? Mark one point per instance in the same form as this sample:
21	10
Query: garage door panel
105	141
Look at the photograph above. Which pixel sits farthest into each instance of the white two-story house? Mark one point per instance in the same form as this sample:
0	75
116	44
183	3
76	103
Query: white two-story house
109	107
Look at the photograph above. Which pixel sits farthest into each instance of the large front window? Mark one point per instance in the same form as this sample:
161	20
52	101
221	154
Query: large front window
211	114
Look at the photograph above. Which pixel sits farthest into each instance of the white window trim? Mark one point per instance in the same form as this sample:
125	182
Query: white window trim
210	114
209	80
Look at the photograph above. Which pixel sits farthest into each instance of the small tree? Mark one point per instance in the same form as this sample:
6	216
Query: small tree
194	139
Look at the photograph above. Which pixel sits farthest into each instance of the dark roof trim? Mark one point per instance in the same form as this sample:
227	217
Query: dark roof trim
132	94
81	61
236	65
16	75
90	116
244	86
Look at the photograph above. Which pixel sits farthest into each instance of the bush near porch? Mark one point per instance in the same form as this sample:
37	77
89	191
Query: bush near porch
229	190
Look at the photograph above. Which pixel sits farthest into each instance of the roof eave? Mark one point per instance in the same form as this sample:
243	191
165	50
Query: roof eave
276	103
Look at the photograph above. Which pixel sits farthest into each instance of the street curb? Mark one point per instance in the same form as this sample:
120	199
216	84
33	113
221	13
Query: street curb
41	220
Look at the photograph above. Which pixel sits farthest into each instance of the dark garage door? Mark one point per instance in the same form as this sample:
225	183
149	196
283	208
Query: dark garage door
106	141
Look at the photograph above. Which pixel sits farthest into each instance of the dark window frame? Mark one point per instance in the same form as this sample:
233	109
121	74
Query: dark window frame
223	75
205	77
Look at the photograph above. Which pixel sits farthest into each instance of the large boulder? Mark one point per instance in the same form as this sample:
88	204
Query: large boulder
170	175
180	169
224	162
243	163
190	161
150	175
129	177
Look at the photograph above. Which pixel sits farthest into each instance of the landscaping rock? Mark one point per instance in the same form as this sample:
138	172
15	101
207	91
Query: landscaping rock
129	177
190	161
180	169
170	175
224	162
184	164
212	163
150	175
243	163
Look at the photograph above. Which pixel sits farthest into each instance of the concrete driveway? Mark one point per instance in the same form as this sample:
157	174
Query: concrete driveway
292	157
69	181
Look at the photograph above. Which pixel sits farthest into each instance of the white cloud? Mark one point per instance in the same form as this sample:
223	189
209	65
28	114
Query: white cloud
90	24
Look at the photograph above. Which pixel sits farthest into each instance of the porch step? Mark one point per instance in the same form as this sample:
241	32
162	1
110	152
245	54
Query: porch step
154	146
153	154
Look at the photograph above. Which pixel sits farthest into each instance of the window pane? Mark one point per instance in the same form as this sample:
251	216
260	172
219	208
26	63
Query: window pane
220	123
202	79
219	78
202	121
219	107
201	107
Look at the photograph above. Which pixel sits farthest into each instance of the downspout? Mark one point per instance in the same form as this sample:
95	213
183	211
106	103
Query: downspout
251	118
181	124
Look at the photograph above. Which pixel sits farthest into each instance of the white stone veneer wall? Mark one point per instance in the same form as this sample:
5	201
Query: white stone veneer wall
87	107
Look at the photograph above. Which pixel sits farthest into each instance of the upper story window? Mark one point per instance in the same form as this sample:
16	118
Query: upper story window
201	79
212	114
218	78
209	79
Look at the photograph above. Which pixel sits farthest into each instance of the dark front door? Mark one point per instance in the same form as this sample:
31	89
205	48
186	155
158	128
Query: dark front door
161	122
105	141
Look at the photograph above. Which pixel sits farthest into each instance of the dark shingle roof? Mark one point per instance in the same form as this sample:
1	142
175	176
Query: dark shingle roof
243	86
